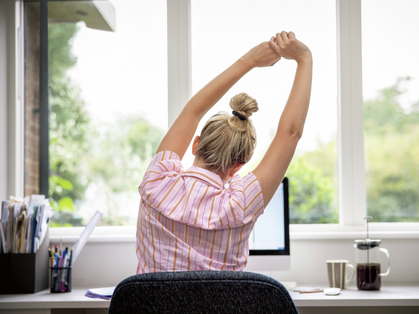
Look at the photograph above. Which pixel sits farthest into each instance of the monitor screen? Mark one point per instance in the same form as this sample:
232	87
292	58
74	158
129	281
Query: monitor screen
270	235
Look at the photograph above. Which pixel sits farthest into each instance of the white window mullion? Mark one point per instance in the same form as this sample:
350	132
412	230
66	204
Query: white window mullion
351	169
179	56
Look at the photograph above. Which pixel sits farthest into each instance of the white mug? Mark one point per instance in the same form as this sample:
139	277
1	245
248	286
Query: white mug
336	270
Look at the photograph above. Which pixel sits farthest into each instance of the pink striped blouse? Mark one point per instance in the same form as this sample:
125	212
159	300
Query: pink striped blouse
188	220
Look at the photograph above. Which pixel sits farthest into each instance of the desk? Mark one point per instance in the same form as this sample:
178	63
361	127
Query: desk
390	299
350	300
44	301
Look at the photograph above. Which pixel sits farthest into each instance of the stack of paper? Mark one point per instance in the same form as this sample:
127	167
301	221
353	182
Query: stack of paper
24	223
102	293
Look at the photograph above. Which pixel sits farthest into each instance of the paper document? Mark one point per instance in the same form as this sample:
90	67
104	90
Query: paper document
102	293
3	239
24	223
4	220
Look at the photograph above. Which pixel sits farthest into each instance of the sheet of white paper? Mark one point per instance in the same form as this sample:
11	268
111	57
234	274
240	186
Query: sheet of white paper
3	236
36	200
107	291
48	213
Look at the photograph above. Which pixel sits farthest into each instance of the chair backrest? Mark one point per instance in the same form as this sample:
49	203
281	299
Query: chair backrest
201	292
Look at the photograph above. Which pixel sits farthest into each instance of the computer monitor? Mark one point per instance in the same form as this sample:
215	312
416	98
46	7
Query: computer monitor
269	242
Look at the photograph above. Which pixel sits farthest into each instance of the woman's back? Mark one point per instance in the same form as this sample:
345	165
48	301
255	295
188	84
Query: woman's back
189	221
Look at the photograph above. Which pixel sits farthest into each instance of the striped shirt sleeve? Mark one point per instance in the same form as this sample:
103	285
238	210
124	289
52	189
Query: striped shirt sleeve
164	171
246	198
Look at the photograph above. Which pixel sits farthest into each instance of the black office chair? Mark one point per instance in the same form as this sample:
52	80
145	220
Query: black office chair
201	292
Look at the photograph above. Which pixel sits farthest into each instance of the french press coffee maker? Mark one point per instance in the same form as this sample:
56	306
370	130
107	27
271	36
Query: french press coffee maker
368	263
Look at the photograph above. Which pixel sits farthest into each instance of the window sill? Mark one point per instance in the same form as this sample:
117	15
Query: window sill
297	232
99	235
353	235
337	232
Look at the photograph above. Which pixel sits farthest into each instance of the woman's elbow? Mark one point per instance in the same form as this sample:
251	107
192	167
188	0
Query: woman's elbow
296	133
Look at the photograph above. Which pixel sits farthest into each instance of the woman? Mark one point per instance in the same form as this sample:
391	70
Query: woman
189	220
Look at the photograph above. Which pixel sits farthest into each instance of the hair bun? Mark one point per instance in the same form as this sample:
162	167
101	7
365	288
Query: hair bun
244	105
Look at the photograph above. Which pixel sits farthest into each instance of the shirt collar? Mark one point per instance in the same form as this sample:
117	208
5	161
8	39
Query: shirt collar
205	175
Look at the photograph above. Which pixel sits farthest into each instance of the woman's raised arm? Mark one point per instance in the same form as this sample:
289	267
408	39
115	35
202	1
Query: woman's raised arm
180	134
274	164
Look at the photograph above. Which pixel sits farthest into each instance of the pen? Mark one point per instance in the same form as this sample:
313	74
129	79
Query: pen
67	272
59	274
70	263
63	272
312	291
54	282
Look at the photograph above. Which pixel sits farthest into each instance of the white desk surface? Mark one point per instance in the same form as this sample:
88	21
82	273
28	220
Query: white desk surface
387	296
46	300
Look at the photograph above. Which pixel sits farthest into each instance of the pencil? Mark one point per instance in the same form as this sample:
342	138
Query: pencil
312	291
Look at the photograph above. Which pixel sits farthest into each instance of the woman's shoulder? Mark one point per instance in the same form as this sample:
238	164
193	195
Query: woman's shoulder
165	164
164	156
243	184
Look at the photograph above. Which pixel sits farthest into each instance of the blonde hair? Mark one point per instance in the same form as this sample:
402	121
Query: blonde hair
227	140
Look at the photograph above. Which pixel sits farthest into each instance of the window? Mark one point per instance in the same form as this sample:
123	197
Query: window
237	27
344	119
391	109
108	100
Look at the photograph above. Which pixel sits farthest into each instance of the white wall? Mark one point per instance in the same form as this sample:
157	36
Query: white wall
3	100
106	264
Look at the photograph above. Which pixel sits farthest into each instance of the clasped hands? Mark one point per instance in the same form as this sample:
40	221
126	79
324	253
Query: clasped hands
283	45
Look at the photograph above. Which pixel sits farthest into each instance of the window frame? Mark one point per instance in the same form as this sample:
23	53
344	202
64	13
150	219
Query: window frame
14	43
351	170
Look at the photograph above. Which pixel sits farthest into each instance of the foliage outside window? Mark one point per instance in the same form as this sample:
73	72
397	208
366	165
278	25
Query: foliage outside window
391	138
97	161
391	109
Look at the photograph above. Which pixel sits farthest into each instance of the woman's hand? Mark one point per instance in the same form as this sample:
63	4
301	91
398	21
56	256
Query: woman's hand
287	46
261	56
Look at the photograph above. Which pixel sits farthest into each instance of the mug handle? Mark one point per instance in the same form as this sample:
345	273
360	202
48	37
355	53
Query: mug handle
388	262
353	273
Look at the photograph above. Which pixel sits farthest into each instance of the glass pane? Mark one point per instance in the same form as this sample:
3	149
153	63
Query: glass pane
222	33
391	108
108	106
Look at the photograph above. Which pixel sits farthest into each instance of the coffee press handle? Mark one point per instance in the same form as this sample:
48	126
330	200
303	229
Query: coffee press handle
388	262
353	272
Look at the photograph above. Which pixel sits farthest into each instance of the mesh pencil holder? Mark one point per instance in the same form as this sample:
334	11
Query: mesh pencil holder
60	279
